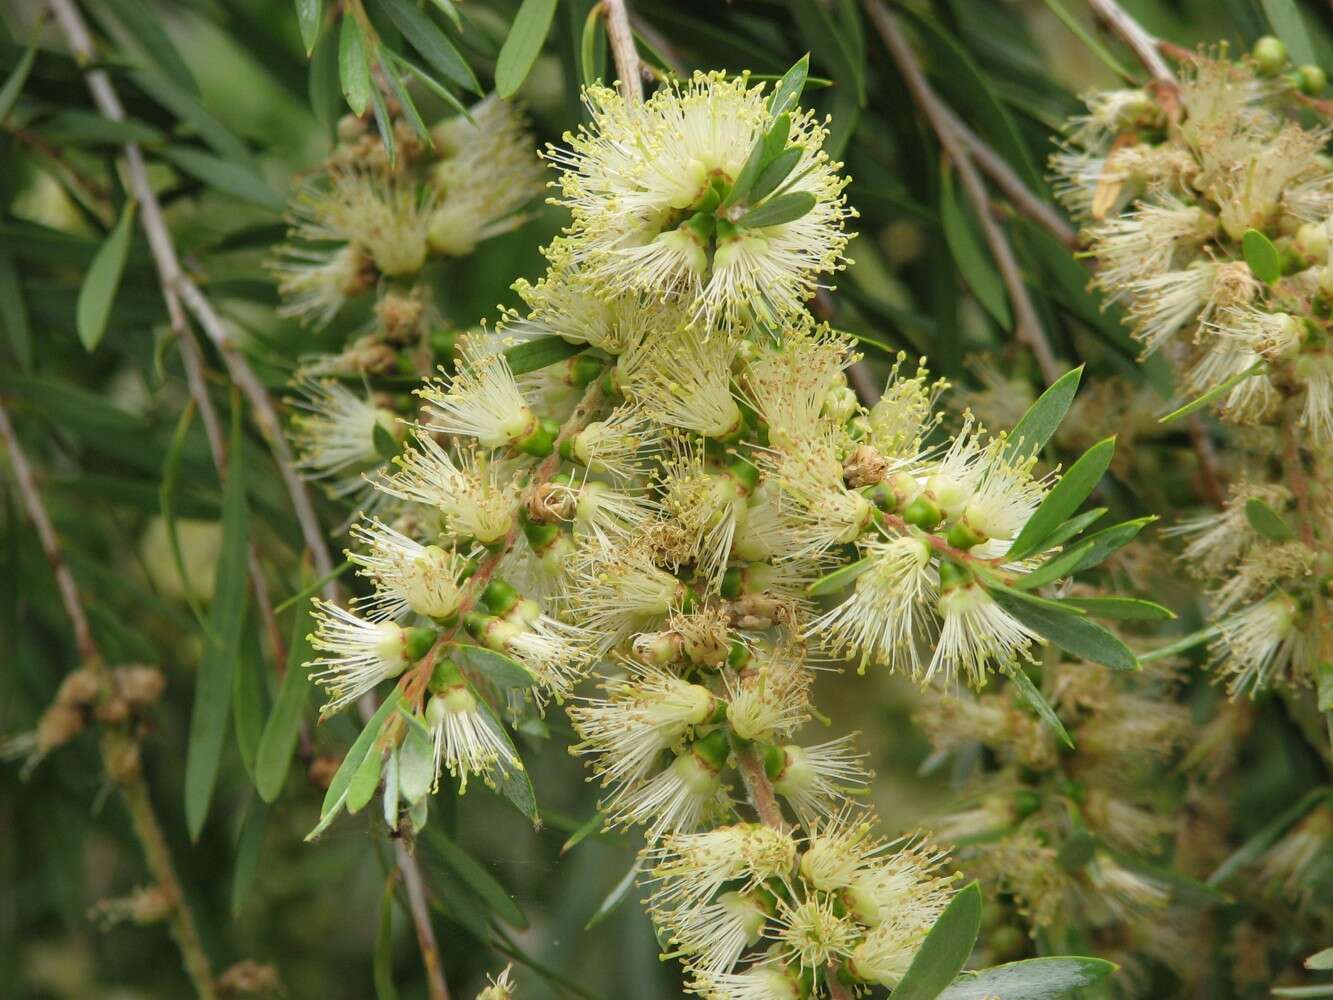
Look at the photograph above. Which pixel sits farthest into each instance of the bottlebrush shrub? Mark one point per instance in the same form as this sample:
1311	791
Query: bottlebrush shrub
661	553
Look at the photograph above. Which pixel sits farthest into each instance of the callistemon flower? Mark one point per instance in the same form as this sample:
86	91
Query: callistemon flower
617	592
690	868
679	797
1147	241
885	953
814	507
644	713
335	434
816	779
709	938
705	502
813	932
620	446
906	889
904	414
476	494
609	515
769	699
488	170
1163	305
481	400
888	607
408	576
683	379
1315	373
467	736
1003	499
976	633
385	218
315	283
791	385
555	652
653	189
770	980
360	653
1264	644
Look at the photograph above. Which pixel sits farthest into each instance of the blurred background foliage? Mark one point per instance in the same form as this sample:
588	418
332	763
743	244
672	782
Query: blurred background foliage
229	110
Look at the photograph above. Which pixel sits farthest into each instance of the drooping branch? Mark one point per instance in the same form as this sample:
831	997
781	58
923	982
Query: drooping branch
1027	327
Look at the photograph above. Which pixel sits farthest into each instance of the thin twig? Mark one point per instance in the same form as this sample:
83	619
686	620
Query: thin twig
1140	41
1008	181
419	907
1027	327
117	744
626	56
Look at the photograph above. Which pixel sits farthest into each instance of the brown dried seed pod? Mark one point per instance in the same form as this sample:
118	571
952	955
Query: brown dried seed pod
112	711
58	725
139	684
79	688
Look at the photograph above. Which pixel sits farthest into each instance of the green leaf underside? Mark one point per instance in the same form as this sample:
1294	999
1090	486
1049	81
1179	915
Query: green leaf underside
1065	627
1039	704
945	950
1031	979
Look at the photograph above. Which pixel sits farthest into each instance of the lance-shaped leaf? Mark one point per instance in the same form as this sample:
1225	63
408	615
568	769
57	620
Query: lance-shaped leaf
98	292
1064	498
1066	627
1051	978
522	45
1043	417
945	950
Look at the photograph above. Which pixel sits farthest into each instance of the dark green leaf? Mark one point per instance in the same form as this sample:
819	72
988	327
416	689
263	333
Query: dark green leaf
776	211
585	830
99	288
354	66
1051	978
309	15
1039	704
618	894
973	260
514	784
775	171
83	128
1043	417
1216	392
1130	609
249	849
482	882
431	42
429	82
1067	628
534	355
145	25
1076	851
838	579
336	796
1267	522
1064	498
222	645
1262	256
1074	526
187	107
14	312
382	966
284	722
787	92
9	93
497	668
248	694
1089	41
240	180
1054	568
945	950
1181	645
522	45
323	86
1108	540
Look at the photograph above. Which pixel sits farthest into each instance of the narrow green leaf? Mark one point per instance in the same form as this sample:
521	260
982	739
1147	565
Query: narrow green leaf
323	86
1108	540
776	211
312	588
1089	40
585	830
522	45
588	46
13	86
831	44
1043	417
766	147
1254	848
382	966
542	352
838	579
240	180
1288	25
1267	522
354	66
76	127
1074	526
384	122
222	646
429	82
278	742
1052	569
336	796
1216	392
1320	960
362	787
787	92
98	292
186	107
1039	704
1304	992
1129	609
774	172
1181	645
481	881
145	25
248	695
618	894
1064	498
1067	628
405	102
1261	255
309	15
1051	978
249	849
434	46
973	260
500	670
515	784
945	950
14	312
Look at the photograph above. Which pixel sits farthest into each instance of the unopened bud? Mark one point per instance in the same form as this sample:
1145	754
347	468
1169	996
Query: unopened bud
78	689
58	725
1269	54
139	685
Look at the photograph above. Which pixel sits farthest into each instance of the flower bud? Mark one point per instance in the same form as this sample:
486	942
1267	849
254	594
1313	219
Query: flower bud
1269	55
